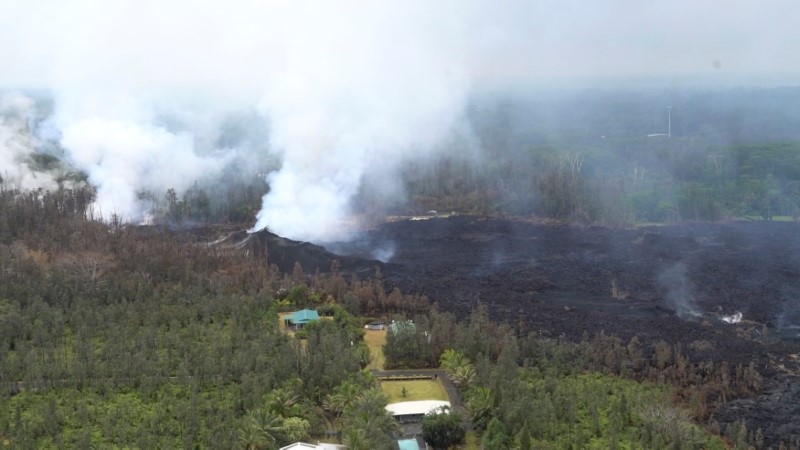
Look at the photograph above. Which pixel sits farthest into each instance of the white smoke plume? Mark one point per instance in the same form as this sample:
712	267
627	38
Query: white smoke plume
18	144
679	291
350	88
125	150
142	88
369	94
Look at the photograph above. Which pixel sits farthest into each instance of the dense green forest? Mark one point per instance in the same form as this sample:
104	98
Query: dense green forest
124	336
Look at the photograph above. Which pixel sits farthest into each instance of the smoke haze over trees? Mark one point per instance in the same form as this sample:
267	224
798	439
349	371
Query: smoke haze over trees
587	156
575	155
335	102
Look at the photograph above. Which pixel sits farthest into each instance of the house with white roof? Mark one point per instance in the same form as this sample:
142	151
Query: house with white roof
405	412
319	446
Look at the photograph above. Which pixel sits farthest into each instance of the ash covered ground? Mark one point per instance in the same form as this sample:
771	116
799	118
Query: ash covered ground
677	283
650	281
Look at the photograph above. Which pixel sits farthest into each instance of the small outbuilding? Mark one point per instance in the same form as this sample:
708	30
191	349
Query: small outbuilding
376	326
299	319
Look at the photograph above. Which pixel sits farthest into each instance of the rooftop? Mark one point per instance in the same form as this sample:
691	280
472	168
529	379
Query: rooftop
299	446
408	444
304	316
419	407
320	446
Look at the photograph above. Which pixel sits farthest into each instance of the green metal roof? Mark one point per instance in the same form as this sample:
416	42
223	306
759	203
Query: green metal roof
408	444
305	316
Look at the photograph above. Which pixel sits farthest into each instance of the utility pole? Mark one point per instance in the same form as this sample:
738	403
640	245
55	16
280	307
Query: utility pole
669	121
669	125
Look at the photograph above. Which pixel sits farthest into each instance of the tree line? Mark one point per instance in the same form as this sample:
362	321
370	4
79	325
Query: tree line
554	393
587	157
115	335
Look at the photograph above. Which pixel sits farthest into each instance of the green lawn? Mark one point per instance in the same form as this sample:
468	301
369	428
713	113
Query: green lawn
415	390
375	341
471	441
282	324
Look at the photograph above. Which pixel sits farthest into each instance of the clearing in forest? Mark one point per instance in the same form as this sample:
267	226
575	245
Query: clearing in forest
414	390
282	323
375	340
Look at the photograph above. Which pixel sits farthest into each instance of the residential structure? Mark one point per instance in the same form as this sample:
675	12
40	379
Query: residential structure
319	446
405	412
299	319
376	326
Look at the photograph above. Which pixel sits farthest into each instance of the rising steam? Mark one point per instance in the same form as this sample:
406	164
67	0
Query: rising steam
359	101
679	291
350	89
127	151
18	145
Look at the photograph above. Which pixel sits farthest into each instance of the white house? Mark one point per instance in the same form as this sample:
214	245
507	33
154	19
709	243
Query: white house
319	446
414	411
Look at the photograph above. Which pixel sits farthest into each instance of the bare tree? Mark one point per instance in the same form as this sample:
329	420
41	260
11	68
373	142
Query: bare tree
88	267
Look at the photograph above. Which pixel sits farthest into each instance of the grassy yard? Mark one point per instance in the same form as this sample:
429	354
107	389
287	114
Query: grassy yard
415	390
471	441
282	324
375	341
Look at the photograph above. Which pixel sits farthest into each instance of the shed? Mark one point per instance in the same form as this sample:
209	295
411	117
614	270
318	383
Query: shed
375	326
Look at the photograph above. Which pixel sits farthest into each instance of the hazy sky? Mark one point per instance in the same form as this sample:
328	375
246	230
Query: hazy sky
47	43
141	88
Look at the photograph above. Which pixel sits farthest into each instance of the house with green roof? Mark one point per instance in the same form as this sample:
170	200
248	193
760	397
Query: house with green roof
299	319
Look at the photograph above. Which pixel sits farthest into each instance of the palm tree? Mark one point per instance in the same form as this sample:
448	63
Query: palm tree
372	421
373	397
452	360
342	397
283	403
480	405
260	430
367	414
251	437
356	439
463	375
